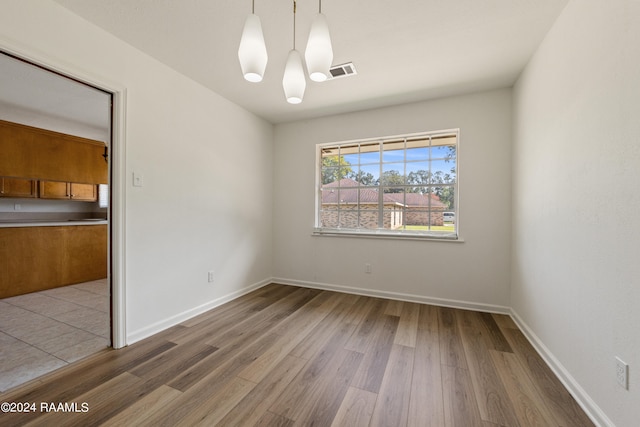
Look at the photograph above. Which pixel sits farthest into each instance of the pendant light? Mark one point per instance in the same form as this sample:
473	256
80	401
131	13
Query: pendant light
252	52
293	81
319	53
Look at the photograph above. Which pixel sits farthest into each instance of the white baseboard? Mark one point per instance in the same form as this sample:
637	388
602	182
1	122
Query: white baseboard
592	410
146	332
467	305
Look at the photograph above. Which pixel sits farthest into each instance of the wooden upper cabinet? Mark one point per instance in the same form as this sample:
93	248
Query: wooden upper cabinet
84	192
54	190
46	155
68	190
17	187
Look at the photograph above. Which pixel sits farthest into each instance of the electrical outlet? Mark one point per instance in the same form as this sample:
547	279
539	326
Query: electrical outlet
367	268
210	277
17	207
622	373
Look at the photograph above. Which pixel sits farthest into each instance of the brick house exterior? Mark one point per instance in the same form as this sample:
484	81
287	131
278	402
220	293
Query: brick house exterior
344	205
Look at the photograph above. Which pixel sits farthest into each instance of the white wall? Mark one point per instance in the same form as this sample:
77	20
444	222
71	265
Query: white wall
11	113
576	228
207	167
474	271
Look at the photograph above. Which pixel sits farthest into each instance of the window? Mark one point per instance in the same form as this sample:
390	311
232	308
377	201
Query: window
103	195
403	185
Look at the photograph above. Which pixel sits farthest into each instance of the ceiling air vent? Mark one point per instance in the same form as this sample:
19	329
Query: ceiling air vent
342	70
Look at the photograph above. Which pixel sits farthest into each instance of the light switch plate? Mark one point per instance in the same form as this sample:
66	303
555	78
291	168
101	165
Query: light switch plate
138	179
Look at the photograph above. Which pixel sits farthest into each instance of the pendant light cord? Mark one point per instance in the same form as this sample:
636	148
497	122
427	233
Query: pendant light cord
253	6
294	24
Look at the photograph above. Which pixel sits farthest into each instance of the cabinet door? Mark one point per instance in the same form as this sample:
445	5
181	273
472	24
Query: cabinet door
17	187
54	190
84	192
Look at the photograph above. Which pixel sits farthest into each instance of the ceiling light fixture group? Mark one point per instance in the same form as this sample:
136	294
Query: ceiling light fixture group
253	57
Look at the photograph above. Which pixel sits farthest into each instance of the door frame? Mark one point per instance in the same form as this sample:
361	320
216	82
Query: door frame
117	189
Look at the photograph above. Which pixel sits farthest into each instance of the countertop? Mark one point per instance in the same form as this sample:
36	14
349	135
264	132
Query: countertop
50	223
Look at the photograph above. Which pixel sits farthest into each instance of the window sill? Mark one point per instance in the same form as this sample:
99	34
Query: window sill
376	234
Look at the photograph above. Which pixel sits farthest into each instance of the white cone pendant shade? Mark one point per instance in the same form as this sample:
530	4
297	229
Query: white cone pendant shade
319	53
252	52
294	82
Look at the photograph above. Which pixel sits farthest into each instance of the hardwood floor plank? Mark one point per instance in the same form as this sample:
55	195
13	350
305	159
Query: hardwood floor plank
451	351
490	394
326	396
560	403
337	321
298	328
392	406
521	391
504	321
172	363
408	326
460	407
426	403
211	332
495	335
102	404
253	407
376	355
321	384
356	408
219	404
72	382
394	308
270	419
361	340
144	408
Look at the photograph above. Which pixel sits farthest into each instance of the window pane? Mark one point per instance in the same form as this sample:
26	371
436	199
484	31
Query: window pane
446	196
443	172
349	216
442	152
418	173
393	151
370	174
370	153
369	206
393	174
368	196
362	177
418	149
350	159
329	175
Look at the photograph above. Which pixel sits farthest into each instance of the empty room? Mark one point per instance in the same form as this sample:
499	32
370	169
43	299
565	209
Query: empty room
411	213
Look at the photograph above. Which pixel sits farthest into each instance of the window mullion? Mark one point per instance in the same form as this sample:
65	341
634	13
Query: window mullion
381	189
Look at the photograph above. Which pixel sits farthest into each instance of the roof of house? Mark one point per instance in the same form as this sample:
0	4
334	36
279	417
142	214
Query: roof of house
349	194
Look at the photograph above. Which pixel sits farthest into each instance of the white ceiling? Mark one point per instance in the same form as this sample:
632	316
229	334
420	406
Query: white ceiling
404	50
33	96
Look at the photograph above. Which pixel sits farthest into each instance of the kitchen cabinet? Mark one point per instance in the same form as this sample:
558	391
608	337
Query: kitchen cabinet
46	155
68	190
17	187
39	258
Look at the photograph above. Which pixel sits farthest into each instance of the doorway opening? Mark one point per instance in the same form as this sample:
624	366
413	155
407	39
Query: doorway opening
56	307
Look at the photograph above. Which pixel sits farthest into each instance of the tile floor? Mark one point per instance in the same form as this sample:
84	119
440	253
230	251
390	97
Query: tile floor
43	331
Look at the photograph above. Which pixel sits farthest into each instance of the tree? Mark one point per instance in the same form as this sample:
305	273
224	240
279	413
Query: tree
391	178
364	178
334	168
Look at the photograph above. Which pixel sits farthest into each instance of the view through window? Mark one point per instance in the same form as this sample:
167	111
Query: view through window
399	185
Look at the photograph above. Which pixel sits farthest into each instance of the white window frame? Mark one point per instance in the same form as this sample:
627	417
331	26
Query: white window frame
382	232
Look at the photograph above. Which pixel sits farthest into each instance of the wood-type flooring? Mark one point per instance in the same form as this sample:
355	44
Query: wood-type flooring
289	356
